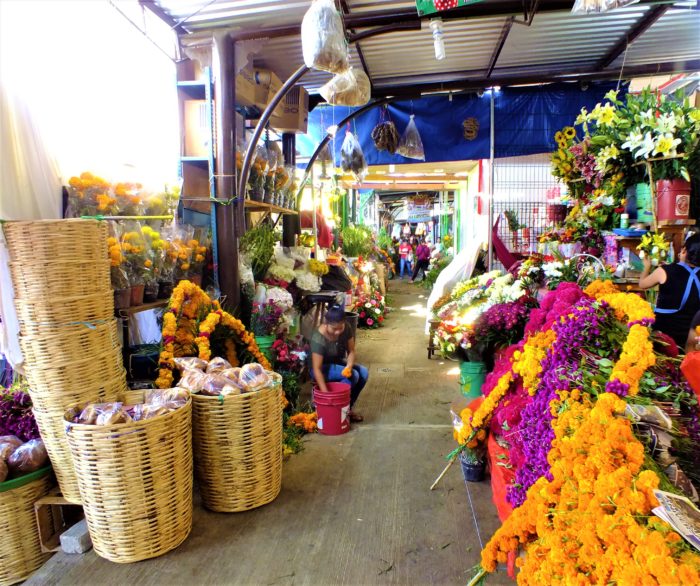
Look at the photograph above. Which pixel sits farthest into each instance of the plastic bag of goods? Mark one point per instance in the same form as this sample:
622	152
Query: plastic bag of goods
385	135
591	6
323	38
352	159
411	145
28	458
351	88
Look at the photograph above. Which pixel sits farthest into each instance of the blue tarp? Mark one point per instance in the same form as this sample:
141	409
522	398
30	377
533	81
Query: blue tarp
526	120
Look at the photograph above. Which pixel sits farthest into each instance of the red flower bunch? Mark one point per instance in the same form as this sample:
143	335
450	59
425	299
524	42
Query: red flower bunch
370	309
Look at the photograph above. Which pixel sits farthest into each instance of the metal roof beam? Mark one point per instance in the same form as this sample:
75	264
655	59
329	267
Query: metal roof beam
636	30
501	43
163	15
360	54
477	83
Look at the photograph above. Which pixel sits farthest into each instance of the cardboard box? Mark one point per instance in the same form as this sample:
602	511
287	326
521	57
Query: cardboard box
197	135
253	87
292	115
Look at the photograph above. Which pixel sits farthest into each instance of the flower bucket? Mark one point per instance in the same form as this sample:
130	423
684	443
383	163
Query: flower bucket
471	379
333	408
122	298
150	292
672	200
265	345
137	295
556	212
631	206
472	471
165	289
644	213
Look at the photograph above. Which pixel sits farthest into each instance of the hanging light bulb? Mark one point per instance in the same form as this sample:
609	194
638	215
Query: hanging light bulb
438	38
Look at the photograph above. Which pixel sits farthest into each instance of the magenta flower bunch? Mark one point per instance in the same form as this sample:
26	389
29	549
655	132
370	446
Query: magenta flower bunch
16	417
265	318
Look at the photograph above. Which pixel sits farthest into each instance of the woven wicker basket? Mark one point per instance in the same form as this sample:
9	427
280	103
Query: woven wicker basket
55	398
56	311
71	240
82	372
59	279
20	551
238	449
136	484
64	345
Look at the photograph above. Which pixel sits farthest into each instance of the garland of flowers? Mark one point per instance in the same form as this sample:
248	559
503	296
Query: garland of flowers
528	362
638	350
187	304
472	423
593	518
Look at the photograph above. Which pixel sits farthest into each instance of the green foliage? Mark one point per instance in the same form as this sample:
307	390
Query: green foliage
259	245
513	221
435	270
357	241
384	240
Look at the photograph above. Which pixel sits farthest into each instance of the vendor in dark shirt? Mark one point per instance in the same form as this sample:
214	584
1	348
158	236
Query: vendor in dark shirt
333	356
679	291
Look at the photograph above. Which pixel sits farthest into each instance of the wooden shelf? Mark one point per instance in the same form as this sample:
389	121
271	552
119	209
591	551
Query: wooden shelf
259	206
127	311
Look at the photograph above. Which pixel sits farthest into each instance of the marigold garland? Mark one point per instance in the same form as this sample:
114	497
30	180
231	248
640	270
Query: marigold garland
592	523
638	350
472	423
528	362
306	421
188	304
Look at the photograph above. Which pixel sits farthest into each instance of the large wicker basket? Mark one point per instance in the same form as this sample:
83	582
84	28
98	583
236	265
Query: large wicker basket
84	371
20	551
238	449
58	311
59	279
58	398
71	240
136	484
57	346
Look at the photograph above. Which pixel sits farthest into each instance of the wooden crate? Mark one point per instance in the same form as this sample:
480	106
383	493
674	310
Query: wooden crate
54	516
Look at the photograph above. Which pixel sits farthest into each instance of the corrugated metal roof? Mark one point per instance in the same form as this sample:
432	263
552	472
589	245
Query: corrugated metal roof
468	44
676	36
557	42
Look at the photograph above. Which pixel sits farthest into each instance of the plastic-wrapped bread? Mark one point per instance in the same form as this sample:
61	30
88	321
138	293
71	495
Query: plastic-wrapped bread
112	416
254	377
216	383
190	363
217	364
4	470
192	380
28	458
8	444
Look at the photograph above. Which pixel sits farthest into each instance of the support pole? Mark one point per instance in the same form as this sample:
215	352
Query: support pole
313	213
492	157
290	223
225	99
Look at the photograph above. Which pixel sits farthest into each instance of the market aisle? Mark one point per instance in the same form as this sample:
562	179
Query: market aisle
354	509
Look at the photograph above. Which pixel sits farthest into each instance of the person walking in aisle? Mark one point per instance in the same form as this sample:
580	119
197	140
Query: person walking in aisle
679	291
422	259
404	251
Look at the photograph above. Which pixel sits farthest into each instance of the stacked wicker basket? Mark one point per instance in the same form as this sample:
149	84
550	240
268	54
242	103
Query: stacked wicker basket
68	332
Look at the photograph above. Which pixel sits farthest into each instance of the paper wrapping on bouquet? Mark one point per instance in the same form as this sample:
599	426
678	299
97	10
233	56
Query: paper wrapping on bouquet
691	369
501	478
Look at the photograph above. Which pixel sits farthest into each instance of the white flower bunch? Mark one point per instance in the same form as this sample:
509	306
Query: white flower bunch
281	297
281	272
553	269
308	282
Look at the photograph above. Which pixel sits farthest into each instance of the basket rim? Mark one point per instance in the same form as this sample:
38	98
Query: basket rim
118	427
223	398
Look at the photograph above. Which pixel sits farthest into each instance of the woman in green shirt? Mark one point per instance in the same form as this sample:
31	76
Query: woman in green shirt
333	356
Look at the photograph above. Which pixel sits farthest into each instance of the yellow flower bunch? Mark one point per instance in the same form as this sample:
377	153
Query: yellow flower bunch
638	350
473	424
591	523
655	246
317	267
115	251
528	363
306	421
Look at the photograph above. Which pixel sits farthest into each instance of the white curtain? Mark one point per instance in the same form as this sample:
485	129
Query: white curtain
30	189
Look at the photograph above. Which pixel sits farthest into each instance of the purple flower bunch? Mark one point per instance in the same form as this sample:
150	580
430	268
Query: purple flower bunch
584	162
579	330
501	325
265	317
16	417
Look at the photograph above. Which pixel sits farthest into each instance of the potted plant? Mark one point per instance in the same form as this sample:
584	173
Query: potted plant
357	242
264	321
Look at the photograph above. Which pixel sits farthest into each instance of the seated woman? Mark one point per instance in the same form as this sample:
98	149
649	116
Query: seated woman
679	291
333	356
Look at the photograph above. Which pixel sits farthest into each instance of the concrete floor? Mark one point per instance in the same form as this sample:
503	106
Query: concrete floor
354	509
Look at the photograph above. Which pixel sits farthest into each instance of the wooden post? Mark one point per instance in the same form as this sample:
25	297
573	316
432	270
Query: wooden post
290	223
227	237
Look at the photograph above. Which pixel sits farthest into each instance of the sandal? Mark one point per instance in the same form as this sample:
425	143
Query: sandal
356	417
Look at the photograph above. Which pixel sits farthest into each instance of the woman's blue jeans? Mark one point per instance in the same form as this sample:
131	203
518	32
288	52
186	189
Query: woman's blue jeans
405	264
333	373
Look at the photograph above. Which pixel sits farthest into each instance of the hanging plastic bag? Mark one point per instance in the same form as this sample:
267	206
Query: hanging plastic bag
385	135
591	6
411	145
352	159
323	38
351	88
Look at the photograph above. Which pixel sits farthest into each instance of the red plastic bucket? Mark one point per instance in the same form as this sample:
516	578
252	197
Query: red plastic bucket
333	408
672	199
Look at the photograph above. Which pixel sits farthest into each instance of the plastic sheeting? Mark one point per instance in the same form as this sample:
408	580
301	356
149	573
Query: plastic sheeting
459	129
